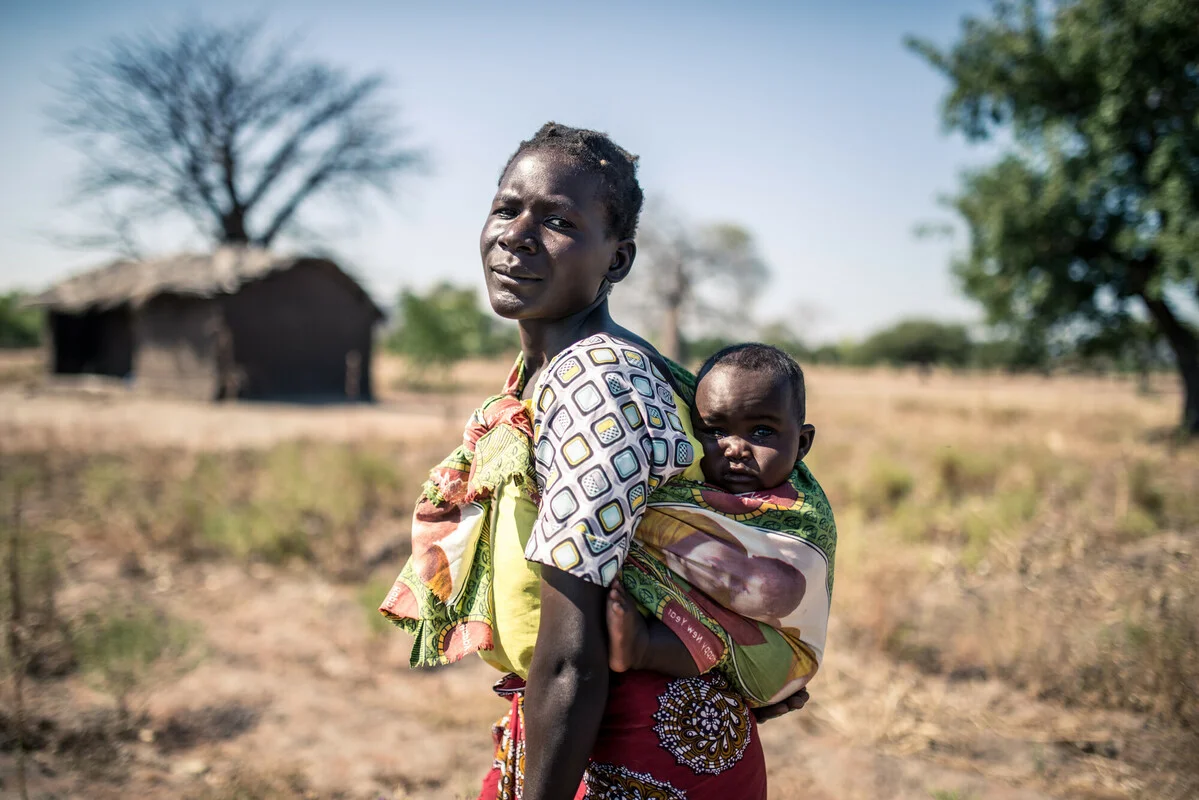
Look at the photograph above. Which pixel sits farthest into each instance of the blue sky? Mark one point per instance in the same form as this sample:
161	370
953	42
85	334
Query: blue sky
807	122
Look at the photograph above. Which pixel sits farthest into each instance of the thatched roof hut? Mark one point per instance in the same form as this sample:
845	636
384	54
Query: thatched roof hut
238	322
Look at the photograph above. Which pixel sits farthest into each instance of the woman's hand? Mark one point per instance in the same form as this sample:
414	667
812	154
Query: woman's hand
793	703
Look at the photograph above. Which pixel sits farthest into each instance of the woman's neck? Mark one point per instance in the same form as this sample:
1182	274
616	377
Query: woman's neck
541	340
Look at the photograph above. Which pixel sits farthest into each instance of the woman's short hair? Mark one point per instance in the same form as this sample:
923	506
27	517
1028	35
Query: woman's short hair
766	358
595	152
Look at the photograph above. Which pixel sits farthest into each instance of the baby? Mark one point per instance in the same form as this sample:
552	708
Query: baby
749	416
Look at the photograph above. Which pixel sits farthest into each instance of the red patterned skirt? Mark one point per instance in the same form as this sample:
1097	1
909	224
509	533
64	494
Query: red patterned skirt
660	738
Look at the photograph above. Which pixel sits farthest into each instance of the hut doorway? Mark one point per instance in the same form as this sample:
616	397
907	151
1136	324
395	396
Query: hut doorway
95	342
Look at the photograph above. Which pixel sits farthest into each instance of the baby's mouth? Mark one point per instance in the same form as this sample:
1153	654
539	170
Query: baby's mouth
739	477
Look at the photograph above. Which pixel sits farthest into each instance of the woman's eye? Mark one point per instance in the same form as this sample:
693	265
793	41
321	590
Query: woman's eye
504	213
559	223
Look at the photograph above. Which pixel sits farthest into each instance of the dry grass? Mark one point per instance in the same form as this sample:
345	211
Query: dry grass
21	369
1037	531
1014	614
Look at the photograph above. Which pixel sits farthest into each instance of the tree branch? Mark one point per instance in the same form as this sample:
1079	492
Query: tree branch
209	121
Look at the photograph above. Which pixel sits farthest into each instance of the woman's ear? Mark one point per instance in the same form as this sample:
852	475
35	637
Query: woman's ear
622	260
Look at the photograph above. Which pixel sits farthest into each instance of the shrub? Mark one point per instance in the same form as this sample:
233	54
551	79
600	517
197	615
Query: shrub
19	327
370	595
445	325
886	486
301	500
1136	524
964	473
1144	493
120	649
917	341
30	570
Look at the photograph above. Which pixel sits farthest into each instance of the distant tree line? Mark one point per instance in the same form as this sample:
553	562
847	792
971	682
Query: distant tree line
926	343
19	327
446	324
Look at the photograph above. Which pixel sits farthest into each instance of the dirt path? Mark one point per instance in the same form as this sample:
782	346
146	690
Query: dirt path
101	422
105	415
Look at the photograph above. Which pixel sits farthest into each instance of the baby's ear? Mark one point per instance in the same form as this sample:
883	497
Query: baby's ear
807	437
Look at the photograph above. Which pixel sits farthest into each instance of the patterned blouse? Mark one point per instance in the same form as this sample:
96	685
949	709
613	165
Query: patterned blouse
607	431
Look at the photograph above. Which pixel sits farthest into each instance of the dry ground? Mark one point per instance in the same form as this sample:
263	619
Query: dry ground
1013	614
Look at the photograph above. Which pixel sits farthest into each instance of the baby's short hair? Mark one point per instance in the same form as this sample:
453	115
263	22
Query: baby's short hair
761	358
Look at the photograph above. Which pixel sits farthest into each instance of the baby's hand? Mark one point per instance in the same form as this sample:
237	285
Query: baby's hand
793	703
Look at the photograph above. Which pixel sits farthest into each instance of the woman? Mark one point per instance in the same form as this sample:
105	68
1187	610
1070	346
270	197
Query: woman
550	483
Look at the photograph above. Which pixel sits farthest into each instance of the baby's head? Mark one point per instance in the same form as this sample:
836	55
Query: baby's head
749	416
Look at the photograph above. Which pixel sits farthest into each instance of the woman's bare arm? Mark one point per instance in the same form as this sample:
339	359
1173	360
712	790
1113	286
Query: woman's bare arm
568	685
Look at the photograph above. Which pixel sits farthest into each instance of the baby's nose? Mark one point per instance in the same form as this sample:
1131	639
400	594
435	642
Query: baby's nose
736	448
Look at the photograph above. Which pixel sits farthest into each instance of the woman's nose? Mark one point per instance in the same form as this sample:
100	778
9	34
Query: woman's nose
518	235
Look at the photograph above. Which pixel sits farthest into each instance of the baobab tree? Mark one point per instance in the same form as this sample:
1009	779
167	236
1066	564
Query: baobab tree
683	271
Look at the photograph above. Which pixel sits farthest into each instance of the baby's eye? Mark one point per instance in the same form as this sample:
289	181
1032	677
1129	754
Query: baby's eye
717	433
763	432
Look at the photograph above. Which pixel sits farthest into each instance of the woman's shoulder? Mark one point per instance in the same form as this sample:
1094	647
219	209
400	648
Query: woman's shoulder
611	364
625	355
614	353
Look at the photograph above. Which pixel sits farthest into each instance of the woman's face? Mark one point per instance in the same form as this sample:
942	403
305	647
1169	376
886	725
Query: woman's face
546	246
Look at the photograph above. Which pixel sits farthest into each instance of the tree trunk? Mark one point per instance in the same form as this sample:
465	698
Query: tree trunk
669	338
1186	352
233	228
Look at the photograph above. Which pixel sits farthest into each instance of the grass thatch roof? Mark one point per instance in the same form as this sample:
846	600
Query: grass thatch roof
223	271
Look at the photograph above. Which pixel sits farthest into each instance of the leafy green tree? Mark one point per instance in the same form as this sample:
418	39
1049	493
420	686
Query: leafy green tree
919	342
446	325
1135	347
19	327
1091	220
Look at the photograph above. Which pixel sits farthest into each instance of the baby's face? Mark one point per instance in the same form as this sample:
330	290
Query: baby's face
749	426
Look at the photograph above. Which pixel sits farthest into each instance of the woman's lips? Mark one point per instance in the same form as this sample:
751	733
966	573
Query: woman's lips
514	277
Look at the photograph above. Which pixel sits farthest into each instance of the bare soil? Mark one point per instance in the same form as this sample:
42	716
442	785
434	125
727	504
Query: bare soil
297	694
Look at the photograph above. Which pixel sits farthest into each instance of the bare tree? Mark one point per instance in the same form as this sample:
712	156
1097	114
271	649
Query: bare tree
689	277
235	133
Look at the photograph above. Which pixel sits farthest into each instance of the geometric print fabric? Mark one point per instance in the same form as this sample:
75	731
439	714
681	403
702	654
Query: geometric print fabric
607	433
